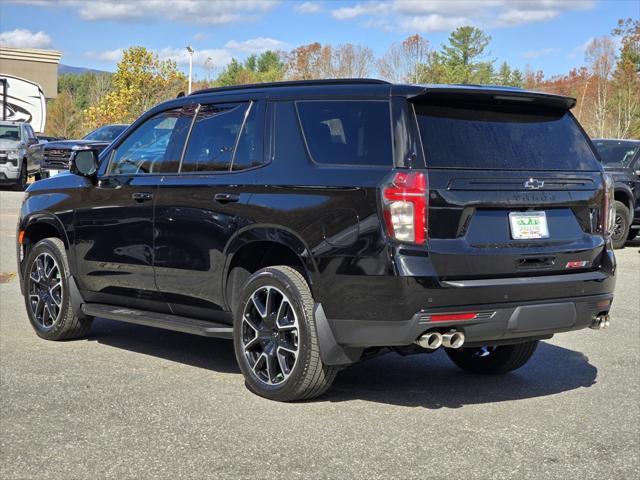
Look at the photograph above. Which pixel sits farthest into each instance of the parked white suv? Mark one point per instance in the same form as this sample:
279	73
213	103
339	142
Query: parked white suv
20	154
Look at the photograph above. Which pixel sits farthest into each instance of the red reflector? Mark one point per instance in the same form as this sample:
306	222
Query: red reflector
579	264
447	317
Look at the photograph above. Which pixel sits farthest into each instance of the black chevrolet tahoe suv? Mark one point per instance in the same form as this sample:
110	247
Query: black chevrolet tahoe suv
319	223
621	159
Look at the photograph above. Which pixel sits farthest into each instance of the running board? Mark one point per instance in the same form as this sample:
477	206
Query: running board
159	320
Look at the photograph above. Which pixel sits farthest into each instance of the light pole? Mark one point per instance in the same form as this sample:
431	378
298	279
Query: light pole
191	51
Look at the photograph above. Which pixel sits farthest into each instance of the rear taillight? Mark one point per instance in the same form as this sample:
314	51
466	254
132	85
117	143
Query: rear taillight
608	208
404	206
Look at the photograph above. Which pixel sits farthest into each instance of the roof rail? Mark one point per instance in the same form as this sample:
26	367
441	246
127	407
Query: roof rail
295	83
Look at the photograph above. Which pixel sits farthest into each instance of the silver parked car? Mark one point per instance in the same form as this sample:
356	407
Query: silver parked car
20	154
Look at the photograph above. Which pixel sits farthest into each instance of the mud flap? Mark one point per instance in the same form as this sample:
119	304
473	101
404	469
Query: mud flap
330	352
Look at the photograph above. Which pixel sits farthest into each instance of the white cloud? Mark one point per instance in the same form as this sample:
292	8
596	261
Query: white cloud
25	39
208	57
580	49
518	17
255	45
432	23
214	57
113	56
203	12
200	36
308	7
540	53
444	15
362	9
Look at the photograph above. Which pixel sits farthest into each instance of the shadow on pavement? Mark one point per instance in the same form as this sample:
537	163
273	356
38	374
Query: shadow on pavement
429	380
433	381
210	353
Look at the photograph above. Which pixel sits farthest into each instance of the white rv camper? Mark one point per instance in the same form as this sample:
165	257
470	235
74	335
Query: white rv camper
22	101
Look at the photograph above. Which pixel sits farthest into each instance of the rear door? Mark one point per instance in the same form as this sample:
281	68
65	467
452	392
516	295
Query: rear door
198	210
515	188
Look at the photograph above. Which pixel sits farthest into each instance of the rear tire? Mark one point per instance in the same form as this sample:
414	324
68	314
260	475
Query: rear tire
622	221
47	295
493	360
275	337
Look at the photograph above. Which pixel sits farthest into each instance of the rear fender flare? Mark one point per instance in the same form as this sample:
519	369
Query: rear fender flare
268	233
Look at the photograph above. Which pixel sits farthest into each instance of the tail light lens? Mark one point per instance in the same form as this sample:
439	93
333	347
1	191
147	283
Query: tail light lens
608	208
404	205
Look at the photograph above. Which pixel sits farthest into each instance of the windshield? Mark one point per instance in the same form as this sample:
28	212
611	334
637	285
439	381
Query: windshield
616	153
9	132
106	134
503	137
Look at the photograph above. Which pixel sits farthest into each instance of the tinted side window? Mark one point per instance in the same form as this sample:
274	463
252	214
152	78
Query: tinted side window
249	150
213	138
155	146
347	132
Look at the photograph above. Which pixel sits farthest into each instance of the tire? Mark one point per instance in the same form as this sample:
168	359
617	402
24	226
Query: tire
275	337
493	360
21	182
48	305
621	225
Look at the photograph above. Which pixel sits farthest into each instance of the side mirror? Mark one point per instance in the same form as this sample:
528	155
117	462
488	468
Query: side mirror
84	162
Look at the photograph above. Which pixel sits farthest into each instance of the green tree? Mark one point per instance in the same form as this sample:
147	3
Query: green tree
463	55
508	77
266	67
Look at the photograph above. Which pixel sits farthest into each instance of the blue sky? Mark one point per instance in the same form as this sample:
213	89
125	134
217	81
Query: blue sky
546	34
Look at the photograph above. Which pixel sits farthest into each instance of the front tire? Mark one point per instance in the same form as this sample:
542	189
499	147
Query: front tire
622	222
47	296
275	337
493	360
21	181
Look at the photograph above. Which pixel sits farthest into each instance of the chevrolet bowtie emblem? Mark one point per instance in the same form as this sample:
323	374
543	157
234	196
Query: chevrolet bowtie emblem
534	184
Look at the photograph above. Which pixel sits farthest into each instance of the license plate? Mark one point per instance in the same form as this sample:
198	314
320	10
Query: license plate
528	225
53	173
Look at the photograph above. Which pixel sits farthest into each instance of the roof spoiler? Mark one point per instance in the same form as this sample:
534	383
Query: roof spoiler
493	95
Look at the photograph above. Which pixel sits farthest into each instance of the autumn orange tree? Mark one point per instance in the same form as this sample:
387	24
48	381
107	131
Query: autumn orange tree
141	81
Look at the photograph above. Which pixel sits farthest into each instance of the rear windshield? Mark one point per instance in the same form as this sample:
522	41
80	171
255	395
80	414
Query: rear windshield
106	134
503	137
616	153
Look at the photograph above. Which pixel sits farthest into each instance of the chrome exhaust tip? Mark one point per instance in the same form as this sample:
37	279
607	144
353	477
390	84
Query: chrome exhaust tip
600	322
453	339
429	340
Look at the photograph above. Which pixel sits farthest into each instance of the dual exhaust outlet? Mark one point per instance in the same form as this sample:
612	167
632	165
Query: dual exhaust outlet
600	322
434	340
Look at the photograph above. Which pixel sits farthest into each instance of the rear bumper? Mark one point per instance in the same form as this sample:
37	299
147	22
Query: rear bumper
502	322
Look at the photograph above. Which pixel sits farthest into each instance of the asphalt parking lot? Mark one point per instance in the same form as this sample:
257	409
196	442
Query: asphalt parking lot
136	402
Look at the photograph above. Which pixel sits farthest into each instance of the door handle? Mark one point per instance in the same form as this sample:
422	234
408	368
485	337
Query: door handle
226	197
142	196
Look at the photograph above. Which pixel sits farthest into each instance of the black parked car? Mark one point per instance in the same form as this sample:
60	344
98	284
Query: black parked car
621	159
57	153
318	223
